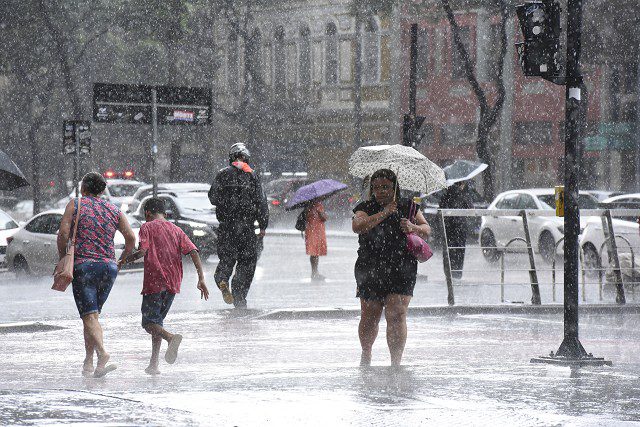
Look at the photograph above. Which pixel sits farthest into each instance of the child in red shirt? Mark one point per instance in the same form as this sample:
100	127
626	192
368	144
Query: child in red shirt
162	245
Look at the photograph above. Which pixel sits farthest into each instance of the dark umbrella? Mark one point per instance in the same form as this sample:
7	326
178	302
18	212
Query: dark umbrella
462	170
319	189
11	177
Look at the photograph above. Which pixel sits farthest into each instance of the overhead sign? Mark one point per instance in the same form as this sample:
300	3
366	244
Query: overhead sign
72	129
118	103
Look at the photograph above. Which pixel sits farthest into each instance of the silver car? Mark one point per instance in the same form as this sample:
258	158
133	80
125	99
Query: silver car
33	249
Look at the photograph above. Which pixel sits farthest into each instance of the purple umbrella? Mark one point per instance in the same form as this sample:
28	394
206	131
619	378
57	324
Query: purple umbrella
323	188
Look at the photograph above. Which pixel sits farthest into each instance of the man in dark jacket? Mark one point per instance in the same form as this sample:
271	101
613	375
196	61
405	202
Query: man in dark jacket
237	195
456	197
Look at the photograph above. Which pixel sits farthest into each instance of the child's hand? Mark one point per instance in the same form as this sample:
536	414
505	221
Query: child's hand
202	287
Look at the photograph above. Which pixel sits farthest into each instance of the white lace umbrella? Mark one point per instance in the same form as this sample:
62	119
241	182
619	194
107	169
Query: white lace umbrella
415	172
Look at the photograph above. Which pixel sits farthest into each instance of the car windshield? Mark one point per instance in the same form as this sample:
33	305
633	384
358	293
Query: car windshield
123	190
6	223
194	204
585	201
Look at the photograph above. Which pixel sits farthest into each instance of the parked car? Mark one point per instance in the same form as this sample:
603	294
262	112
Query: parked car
603	194
118	191
33	248
194	214
592	242
545	231
280	190
170	188
8	227
430	204
622	201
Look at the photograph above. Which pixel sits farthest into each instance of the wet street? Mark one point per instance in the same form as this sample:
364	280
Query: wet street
292	358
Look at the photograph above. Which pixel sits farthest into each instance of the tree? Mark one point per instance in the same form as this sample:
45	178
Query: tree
488	113
42	43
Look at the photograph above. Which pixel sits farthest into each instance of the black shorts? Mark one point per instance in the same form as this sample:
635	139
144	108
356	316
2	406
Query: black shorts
155	307
376	279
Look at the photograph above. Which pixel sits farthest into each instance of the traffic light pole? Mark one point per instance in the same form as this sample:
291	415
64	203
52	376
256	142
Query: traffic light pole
154	144
413	68
76	158
571	352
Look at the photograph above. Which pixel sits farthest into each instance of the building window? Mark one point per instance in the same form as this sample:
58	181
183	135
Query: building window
253	61
533	133
460	134
232	62
305	58
457	62
371	52
423	55
331	54
279	61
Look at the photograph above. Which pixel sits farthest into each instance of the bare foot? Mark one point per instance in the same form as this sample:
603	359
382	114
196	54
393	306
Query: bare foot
102	360
152	370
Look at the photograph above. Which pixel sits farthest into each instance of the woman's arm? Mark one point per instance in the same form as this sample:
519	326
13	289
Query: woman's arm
129	237
363	223
65	229
420	226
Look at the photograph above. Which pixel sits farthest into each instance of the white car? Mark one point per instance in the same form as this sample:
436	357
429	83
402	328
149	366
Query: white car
593	245
8	227
545	231
172	188
33	249
118	191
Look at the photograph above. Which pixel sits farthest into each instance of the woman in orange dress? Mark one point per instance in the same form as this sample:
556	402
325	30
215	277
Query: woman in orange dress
315	236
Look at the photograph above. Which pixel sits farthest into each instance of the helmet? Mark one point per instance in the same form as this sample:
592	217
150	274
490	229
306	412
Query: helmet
239	149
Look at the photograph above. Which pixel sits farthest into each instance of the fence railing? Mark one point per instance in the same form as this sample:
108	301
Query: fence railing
609	242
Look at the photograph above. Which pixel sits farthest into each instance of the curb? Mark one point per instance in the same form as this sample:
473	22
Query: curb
8	328
345	313
294	232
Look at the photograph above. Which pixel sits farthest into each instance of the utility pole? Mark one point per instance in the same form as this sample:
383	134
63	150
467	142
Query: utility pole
412	123
571	352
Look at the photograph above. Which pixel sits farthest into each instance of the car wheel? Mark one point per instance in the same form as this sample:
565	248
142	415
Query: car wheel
21	267
488	243
547	247
591	262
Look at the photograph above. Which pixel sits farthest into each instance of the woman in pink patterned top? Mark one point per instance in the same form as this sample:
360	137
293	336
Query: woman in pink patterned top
95	267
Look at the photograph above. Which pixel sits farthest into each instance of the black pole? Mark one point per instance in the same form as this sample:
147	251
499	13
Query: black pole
413	67
571	351
571	346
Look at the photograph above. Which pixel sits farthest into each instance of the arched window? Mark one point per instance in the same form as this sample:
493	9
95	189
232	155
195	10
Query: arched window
253	61
304	62
279	61
371	52
331	54
232	62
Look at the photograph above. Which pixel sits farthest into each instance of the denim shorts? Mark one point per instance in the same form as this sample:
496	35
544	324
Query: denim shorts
92	282
155	307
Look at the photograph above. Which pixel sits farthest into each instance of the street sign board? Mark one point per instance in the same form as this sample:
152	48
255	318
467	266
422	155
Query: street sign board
118	103
76	128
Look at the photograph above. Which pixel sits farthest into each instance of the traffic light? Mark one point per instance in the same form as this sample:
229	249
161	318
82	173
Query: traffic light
410	130
539	53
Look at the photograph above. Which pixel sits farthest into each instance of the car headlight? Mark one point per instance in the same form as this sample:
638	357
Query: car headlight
199	233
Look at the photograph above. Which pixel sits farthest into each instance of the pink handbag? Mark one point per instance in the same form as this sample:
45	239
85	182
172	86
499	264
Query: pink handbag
416	244
63	273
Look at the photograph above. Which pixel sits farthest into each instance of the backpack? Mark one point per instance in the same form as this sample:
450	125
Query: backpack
301	221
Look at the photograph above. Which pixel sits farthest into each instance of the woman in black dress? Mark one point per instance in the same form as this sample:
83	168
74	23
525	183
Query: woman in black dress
385	271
